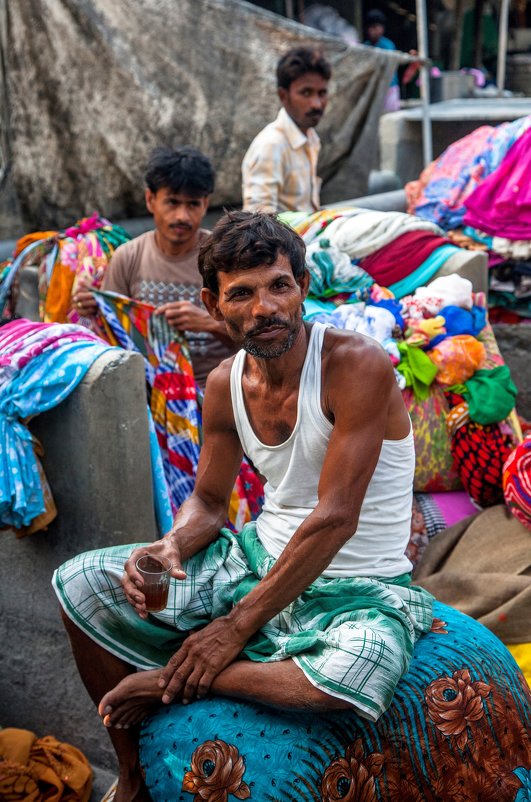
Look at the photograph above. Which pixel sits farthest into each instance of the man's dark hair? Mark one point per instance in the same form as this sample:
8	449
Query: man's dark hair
375	17
184	169
241	240
299	61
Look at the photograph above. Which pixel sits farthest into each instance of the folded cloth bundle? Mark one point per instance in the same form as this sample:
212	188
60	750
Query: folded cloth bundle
42	769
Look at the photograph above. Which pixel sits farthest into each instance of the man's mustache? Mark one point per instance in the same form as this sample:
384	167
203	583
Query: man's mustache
267	324
180	225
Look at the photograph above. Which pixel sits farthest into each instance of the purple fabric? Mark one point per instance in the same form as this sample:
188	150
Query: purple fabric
501	205
454	505
22	340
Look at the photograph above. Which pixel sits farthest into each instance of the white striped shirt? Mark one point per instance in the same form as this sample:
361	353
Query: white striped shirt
279	170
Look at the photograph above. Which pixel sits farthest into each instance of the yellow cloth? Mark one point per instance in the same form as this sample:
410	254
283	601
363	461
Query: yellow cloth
522	654
42	769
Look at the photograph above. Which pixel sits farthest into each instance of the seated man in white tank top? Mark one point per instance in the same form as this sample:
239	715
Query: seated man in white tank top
309	608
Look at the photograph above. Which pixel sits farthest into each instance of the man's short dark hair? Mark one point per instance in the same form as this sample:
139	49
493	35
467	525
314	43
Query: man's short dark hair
375	17
241	240
299	61
184	169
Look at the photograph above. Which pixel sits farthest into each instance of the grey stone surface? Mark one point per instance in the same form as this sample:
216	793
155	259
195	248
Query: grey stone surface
97	462
89	95
514	342
400	132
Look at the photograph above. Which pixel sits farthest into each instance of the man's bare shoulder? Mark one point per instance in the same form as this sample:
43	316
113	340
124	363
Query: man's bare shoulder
350	351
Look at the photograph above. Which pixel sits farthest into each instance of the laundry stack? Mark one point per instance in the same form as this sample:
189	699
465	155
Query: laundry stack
380	274
479	192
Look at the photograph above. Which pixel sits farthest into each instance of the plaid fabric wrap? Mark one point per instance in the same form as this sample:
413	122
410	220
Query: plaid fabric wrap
352	638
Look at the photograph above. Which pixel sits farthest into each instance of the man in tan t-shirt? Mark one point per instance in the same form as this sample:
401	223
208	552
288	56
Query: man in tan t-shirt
160	266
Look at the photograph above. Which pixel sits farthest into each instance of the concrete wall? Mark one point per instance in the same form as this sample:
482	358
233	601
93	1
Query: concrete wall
97	462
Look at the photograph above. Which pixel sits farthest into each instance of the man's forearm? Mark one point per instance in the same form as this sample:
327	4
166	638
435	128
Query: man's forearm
309	552
196	525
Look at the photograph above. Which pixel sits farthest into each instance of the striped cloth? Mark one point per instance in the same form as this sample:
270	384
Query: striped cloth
175	400
353	638
172	387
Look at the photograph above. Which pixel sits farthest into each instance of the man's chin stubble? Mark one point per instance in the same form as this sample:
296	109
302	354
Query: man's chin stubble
271	352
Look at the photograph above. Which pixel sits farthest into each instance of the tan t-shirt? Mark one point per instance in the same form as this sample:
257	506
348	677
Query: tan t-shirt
141	271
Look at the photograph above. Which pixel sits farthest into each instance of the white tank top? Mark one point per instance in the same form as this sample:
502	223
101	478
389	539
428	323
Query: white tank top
292	470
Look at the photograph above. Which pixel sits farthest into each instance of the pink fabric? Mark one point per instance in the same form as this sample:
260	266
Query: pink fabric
501	205
22	340
454	506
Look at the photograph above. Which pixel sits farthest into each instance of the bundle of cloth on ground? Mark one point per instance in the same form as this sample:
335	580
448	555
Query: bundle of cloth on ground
43	769
479	192
78	254
174	399
482	566
40	365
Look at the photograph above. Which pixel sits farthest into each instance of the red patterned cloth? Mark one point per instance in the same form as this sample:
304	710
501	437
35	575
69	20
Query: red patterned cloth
517	482
479	453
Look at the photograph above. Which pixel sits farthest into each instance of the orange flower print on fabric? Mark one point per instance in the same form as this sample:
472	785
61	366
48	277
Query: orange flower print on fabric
455	702
438	626
351	778
217	770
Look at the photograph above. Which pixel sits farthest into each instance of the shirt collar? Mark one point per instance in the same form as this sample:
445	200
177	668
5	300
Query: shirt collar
294	135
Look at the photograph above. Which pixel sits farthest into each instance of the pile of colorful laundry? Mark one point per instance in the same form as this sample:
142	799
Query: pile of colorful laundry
40	365
350	249
63	259
456	386
479	192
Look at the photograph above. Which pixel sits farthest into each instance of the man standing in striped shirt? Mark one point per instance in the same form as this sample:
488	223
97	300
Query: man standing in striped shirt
279	170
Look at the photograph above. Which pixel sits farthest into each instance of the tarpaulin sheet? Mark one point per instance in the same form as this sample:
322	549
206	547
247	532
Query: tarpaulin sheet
93	85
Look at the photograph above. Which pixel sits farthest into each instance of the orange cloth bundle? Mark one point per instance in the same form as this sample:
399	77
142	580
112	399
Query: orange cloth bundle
457	358
36	769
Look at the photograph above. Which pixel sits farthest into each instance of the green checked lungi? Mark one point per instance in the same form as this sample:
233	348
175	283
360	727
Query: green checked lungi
353	638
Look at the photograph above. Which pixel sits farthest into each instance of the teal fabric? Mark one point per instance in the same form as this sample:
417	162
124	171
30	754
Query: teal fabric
458	729
423	273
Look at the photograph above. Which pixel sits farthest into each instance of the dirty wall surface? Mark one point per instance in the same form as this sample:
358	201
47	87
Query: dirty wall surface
90	86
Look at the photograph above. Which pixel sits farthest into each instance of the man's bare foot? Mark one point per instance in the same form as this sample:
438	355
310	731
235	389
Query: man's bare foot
131	700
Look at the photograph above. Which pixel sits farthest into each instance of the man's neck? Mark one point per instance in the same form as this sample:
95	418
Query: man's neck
169	248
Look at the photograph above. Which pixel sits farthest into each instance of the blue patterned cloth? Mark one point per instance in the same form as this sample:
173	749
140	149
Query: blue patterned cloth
459	728
40	365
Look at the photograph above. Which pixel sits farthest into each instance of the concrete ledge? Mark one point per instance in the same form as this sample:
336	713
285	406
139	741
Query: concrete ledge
400	132
97	461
